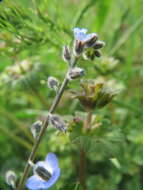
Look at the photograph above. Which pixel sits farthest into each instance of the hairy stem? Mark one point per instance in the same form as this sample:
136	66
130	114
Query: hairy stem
82	166
45	125
87	123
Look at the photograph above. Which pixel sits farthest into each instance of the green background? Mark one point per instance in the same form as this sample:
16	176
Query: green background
35	31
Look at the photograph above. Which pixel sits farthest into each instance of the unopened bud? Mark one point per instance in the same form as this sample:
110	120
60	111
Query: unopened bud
92	40
53	83
89	55
75	73
99	44
35	128
97	53
78	47
11	178
66	54
57	122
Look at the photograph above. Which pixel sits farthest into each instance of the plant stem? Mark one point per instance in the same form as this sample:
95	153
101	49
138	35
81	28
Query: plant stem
45	125
87	122
82	167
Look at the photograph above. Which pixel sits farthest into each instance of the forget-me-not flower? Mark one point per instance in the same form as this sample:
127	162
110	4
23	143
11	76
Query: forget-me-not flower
81	35
46	173
83	40
86	44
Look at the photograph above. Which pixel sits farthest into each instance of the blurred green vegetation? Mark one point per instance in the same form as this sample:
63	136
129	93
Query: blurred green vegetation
32	34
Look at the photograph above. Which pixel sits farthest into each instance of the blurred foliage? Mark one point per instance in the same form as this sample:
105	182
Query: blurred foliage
32	34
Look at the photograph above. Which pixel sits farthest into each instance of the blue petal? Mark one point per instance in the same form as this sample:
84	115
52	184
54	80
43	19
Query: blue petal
80	33
35	183
53	179
81	30
89	36
52	161
80	36
40	163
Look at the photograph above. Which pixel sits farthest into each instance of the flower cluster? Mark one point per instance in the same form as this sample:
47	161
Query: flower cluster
88	44
95	94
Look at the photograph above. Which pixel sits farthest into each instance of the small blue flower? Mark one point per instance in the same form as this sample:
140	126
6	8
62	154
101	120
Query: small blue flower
80	35
46	173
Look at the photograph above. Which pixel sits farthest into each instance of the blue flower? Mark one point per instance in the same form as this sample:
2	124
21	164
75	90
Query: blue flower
46	173
80	35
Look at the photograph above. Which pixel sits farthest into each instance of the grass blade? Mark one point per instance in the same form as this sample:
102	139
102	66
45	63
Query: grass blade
127	35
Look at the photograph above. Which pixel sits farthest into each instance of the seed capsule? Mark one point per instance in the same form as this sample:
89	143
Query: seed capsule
66	54
57	122
75	73
11	178
53	83
35	128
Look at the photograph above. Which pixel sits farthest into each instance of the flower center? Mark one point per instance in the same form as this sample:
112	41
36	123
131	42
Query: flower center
43	173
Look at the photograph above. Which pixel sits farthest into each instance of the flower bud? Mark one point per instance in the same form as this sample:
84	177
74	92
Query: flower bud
11	178
57	122
66	54
99	44
53	83
97	53
89	54
78	47
35	128
92	40
75	73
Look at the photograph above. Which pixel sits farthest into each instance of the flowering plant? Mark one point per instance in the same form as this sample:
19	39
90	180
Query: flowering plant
94	95
59	85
